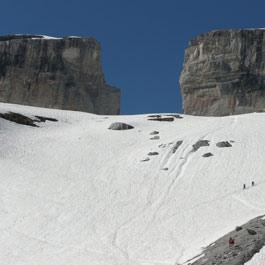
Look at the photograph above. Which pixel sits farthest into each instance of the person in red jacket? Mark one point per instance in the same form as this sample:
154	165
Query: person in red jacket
231	242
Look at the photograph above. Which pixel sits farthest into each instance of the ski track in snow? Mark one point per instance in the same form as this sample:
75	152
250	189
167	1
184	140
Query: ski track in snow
248	204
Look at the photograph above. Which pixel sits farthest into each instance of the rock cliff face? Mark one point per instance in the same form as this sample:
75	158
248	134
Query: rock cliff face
224	73
63	73
249	239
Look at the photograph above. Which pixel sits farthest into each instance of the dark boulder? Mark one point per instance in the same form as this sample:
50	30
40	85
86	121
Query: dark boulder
154	116
207	155
24	120
156	137
154	133
177	116
161	119
238	228
223	144
176	146
44	119
18	118
199	144
120	126
153	153
251	232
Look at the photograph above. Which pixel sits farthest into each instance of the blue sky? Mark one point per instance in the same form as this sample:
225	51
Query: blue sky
143	41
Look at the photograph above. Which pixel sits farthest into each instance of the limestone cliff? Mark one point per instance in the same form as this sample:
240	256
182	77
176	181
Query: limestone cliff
63	73
224	73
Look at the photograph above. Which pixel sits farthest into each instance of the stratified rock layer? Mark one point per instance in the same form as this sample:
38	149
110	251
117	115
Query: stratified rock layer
63	73
248	240
224	73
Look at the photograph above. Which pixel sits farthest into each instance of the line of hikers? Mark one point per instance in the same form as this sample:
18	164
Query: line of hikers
231	241
252	184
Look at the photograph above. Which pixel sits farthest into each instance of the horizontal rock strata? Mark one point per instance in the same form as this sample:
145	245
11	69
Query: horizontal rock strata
224	73
62	73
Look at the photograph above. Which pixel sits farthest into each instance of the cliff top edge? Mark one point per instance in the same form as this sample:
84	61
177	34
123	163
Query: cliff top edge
219	32
40	37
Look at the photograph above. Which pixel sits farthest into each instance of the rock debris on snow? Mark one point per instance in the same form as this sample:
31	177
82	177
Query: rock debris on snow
200	144
207	155
251	232
145	160
44	119
154	133
120	126
153	153
177	116
176	146
154	116
18	118
238	228
156	137
223	144
23	120
161	119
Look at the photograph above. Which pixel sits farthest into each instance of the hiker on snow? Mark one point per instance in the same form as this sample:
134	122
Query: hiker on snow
231	242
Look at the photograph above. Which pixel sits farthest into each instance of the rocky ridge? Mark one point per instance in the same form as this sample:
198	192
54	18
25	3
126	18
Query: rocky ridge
248	240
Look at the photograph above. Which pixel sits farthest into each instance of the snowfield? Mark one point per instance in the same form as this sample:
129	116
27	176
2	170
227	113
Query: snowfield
73	192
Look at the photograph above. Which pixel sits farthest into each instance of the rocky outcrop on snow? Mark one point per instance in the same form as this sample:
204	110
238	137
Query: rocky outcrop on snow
161	119
62	73
176	146
154	133
200	144
207	155
156	137
24	120
18	118
224	73
167	117
223	144
248	240
153	153
120	126
145	159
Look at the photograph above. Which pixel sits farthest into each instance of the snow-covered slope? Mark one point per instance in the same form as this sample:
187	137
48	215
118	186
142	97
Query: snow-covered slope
73	192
